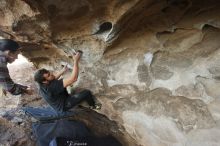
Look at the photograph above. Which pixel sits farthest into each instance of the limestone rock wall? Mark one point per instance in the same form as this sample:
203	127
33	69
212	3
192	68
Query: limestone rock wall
154	65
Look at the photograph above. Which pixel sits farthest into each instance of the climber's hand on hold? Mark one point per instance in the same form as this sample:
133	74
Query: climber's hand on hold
76	56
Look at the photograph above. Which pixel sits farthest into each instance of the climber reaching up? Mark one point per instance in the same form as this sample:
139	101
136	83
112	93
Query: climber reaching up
53	90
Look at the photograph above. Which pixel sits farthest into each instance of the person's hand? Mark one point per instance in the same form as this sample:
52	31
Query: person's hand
65	68
76	56
29	91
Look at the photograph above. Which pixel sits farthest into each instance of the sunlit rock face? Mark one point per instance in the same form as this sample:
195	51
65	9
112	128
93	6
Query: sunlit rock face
154	65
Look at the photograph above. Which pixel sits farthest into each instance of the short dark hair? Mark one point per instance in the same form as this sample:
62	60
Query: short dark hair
8	44
39	75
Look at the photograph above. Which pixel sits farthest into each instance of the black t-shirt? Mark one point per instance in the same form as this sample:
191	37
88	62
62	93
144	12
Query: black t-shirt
55	94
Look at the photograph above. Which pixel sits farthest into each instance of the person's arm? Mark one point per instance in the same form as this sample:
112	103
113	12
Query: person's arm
57	76
74	75
16	89
28	91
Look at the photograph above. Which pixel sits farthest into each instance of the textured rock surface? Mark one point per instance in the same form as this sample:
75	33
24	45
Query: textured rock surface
154	65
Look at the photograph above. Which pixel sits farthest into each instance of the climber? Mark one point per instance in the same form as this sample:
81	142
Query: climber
53	89
9	51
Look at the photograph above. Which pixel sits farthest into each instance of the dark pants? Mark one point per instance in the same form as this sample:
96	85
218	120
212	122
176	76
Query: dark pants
77	98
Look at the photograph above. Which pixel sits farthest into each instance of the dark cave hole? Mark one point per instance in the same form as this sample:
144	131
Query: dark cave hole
104	27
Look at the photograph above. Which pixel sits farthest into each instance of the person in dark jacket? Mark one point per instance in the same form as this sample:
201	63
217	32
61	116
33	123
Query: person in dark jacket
53	89
9	51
